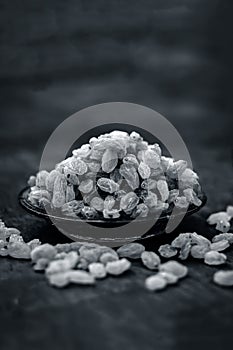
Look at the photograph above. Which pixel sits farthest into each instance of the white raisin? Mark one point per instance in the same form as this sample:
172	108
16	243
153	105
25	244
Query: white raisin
32	181
229	211
78	166
118	267
51	179
109	160
131	250
86	186
12	231
188	178
199	251
107	257
163	189
174	267
58	266
19	250
173	194
34	243
46	251
109	202
215	258
169	277
70	194
223	226
15	238
199	239
41	178
144	170
83	264
222	236
224	278
131	160
156	148
214	218
181	202
111	213
94	166
184	251
41	264
151	158
129	202
90	253
155	283
107	185
141	210
130	174
167	251
116	176
2	243
97	270
181	240
220	245
150	259
135	136
192	197
97	203
89	213
149	184
151	200
83	152
59	280
59	191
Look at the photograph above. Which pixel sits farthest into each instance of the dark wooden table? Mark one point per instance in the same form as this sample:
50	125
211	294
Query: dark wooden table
59	57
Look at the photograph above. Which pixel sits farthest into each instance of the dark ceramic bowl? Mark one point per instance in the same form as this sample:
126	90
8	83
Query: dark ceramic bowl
113	231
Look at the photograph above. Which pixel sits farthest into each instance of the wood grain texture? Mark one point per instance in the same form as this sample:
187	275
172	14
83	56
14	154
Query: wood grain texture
59	57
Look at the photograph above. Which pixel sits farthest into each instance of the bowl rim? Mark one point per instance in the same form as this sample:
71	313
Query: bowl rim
32	209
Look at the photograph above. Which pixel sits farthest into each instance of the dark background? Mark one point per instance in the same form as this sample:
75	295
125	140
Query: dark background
57	57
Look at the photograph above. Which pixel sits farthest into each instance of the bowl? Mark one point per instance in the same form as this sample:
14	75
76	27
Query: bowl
112	231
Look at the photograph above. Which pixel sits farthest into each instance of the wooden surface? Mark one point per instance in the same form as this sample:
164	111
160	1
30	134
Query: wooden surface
58	58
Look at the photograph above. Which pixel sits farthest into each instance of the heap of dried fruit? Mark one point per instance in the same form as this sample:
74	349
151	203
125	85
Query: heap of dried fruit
12	243
169	273
222	219
116	175
199	247
79	263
